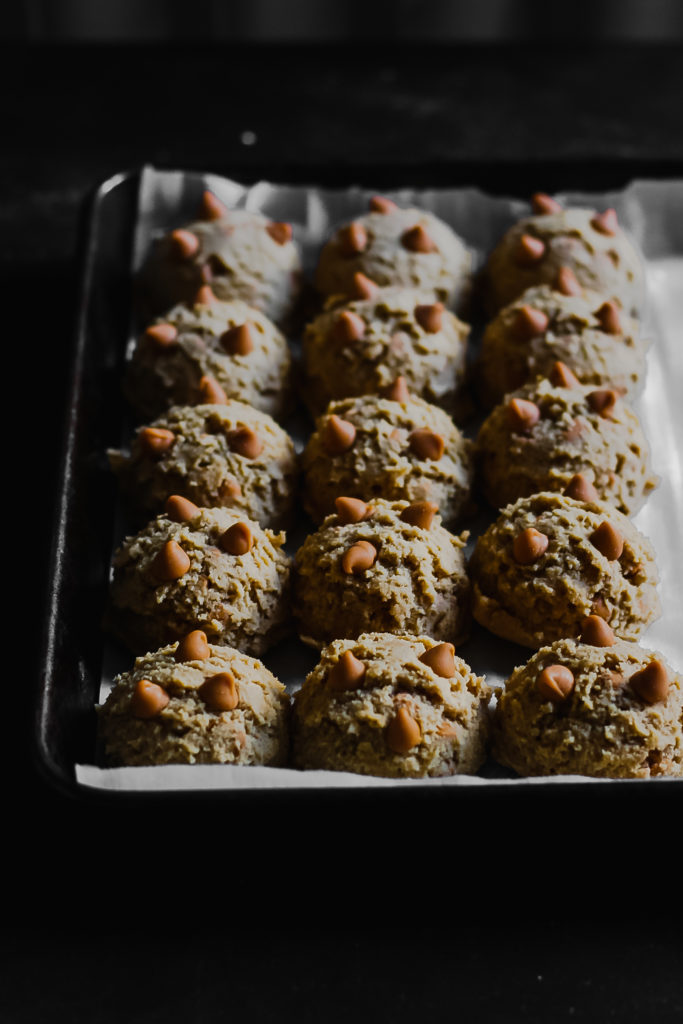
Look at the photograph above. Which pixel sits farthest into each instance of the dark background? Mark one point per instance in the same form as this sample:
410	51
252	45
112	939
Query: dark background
480	909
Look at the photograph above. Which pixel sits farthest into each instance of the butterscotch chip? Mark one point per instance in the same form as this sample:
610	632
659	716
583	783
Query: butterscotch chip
225	709
530	251
600	607
651	683
348	673
580	488
441	659
360	557
608	541
339	435
529	545
179	509
426	444
352	239
603	401
171	562
211	208
184	244
210	392
237	539
220	692
542	203
205	296
610	318
398	391
347	328
363	287
352	510
606	223
193	647
245	441
148	699
435	717
605	731
417	239
155	440
596	632
162	335
555	683
403	732
522	414
567	282
239	340
530	322
420	513
280	232
562	377
430	318
380	204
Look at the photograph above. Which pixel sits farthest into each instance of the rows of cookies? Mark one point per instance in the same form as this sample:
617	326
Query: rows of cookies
383	588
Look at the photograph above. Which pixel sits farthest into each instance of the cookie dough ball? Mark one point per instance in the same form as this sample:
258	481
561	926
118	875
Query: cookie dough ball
206	350
363	346
241	254
605	708
392	246
592	245
547	431
397	706
594	338
388	566
374	447
549	561
215	455
212	570
195	703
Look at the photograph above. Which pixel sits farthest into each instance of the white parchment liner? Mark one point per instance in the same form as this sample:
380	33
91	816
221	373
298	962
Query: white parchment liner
652	212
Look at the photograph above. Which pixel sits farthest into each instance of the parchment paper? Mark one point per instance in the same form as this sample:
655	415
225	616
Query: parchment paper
652	212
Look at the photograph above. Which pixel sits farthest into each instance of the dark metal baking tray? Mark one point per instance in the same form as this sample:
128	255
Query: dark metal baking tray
78	573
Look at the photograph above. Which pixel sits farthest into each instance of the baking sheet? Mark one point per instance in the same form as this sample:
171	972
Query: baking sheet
651	212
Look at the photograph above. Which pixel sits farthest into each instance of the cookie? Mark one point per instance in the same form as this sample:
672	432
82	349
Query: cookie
371	447
395	706
216	571
539	249
194	703
239	253
548	561
393	246
362	346
381	566
227	455
547	431
208	350
601	707
599	343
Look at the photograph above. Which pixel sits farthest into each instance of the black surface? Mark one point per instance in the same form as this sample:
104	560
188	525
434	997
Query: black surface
583	893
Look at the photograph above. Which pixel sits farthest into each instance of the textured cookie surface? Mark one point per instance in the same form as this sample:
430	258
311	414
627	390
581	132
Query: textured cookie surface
389	456
608	724
381	574
173	577
407	247
221	708
549	561
227	343
604	261
363	346
241	255
598	342
216	455
569	430
384	711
